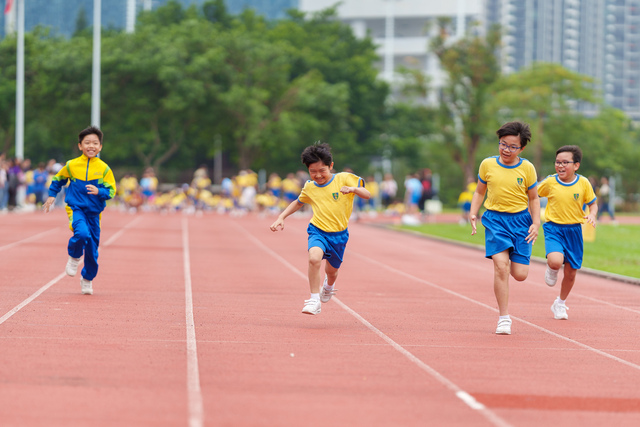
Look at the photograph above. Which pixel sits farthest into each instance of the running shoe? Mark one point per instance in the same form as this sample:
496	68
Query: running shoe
559	310
504	327
72	266
326	294
87	288
312	306
550	276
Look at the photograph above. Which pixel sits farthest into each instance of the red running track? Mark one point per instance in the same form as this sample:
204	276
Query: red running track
196	321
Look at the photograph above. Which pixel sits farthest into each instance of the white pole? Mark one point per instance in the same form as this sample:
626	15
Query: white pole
20	84
461	23
95	88
131	16
389	35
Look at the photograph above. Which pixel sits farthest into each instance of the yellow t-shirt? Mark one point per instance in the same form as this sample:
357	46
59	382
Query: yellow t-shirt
290	185
331	208
507	186
275	182
565	201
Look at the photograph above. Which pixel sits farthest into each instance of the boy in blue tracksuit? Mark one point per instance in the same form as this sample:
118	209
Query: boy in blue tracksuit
92	184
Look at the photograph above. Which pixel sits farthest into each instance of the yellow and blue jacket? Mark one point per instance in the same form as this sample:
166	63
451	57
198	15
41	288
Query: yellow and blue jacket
83	171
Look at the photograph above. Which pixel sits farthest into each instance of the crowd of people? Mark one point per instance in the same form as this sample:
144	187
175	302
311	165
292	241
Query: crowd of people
24	187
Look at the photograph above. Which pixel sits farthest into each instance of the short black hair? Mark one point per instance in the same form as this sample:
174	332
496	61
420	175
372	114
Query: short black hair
574	150
318	152
516	128
88	131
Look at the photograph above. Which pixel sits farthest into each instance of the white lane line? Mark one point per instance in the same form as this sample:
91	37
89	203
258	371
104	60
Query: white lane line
36	294
461	394
33	296
28	239
196	412
433	285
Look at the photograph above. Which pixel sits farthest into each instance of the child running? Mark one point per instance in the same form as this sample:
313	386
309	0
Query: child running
92	184
567	193
512	216
331	199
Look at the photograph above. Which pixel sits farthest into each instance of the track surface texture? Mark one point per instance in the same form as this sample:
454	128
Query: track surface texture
195	321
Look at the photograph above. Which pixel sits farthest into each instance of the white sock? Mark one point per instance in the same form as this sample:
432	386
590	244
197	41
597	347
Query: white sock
504	317
561	301
328	287
315	296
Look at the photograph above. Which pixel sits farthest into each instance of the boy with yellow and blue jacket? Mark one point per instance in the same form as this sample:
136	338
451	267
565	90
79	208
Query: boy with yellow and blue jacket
91	184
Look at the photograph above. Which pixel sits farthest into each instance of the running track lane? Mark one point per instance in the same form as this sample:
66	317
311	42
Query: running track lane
118	357
261	362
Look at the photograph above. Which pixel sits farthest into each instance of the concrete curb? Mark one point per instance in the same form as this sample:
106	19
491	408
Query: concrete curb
590	271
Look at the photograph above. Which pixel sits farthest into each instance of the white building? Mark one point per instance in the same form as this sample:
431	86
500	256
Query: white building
401	28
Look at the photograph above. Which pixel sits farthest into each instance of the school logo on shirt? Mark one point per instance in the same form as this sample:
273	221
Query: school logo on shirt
520	181
575	196
335	196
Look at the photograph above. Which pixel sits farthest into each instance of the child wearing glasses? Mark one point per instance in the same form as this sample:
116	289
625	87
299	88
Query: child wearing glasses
512	216
567	193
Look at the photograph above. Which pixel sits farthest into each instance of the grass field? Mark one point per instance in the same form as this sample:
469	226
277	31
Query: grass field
616	249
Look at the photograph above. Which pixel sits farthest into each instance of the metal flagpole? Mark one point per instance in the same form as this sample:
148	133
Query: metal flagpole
95	86
20	83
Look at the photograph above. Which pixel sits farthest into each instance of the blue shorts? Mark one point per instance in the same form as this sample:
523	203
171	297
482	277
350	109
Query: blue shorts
504	231
332	244
566	239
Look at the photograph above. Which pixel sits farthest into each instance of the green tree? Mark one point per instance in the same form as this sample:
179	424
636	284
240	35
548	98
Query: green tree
472	68
539	93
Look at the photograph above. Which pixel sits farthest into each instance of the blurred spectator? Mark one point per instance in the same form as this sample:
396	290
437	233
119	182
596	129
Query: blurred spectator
39	185
4	193
274	185
291	188
426	179
604	199
388	189
464	201
14	179
149	184
413	193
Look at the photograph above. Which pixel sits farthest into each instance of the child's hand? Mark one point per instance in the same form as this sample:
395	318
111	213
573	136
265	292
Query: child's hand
279	223
47	205
533	234
347	190
473	219
92	189
591	219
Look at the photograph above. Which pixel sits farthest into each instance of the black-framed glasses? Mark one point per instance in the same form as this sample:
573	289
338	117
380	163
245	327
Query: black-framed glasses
511	148
563	163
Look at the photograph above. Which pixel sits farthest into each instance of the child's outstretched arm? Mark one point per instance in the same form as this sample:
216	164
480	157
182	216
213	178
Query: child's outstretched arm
359	191
293	207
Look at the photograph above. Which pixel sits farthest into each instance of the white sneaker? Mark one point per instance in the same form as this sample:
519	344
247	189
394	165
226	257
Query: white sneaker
559	310
326	294
550	276
504	327
72	266
87	288
312	306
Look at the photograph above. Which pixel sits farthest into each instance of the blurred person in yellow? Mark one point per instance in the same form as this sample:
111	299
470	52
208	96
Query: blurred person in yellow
274	185
291	188
149	184
464	201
